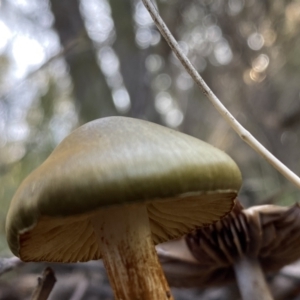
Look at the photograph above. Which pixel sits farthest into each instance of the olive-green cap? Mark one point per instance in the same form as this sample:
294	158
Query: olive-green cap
184	182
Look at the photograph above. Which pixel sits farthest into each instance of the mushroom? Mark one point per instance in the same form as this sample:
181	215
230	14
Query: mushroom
112	189
244	245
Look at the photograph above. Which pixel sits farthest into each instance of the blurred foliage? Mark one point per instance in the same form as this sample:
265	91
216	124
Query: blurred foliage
101	61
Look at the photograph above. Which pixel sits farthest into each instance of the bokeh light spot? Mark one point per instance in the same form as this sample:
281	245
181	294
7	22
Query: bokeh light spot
256	41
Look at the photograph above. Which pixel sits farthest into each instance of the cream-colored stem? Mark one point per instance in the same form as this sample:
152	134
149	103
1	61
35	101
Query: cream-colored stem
129	255
251	280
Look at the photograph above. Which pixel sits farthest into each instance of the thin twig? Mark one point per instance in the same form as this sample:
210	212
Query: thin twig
80	290
45	285
8	264
239	129
67	49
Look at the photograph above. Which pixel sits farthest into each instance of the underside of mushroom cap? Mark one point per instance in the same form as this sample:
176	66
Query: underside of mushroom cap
119	161
72	238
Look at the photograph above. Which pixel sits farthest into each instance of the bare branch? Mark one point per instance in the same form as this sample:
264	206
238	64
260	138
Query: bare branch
239	129
68	48
80	290
45	285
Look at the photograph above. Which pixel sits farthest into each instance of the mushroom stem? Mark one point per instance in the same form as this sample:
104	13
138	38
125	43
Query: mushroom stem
251	280
129	254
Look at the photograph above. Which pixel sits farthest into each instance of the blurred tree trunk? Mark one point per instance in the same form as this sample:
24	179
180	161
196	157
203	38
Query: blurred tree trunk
132	62
93	96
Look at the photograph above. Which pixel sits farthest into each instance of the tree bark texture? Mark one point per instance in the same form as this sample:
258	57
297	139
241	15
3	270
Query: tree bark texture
92	94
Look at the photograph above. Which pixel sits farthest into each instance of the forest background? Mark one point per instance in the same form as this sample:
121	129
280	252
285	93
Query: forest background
65	62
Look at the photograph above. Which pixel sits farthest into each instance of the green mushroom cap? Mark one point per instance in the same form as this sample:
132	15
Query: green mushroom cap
185	183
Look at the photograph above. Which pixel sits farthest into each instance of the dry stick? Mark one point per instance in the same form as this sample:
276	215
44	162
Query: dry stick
45	285
239	129
80	290
251	280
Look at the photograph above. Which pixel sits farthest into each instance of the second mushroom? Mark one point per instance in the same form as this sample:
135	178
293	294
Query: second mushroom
244	246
